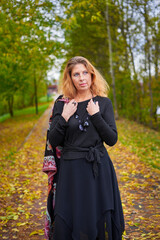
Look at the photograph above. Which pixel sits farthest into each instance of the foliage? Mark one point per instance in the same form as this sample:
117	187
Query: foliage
34	33
135	36
26	50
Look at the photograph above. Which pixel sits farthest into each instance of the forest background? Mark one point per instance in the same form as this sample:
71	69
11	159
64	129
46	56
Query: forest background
120	37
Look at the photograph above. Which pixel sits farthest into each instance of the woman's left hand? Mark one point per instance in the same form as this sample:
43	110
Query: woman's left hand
92	107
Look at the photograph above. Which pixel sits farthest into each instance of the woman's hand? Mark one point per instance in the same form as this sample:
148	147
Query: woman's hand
69	109
92	107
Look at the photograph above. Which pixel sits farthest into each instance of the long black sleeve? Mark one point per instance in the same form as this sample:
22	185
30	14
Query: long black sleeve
58	126
105	124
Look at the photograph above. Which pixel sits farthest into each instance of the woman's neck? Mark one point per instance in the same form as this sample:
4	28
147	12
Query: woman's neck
82	96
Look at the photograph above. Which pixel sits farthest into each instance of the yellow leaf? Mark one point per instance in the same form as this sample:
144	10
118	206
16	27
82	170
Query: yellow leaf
15	217
15	229
21	224
38	232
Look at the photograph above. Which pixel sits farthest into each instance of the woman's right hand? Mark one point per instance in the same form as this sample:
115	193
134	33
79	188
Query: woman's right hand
69	109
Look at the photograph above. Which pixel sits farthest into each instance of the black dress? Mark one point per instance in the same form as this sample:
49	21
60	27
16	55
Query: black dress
88	204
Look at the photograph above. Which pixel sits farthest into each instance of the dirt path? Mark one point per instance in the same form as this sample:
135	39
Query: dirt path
140	191
27	203
26	206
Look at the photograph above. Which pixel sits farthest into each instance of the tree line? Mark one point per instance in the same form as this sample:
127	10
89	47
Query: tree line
120	37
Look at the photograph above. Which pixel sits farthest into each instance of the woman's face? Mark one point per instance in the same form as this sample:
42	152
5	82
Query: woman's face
81	78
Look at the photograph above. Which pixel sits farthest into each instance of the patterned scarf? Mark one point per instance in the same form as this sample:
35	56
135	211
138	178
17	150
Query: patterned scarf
51	168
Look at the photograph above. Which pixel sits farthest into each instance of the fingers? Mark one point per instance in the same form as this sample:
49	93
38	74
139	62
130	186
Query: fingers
73	102
91	102
70	107
92	107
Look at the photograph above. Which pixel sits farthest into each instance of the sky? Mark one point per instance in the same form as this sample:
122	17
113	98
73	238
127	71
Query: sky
54	73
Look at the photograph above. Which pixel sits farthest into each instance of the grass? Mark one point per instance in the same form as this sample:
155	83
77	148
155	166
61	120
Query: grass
32	110
141	140
4	117
43	104
45	99
26	111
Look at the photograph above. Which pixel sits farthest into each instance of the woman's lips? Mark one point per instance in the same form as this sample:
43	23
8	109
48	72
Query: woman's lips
83	84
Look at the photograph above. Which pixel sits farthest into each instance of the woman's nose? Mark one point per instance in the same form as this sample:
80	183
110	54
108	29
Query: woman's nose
81	76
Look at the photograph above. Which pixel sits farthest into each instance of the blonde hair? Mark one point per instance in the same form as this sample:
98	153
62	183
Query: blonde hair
99	85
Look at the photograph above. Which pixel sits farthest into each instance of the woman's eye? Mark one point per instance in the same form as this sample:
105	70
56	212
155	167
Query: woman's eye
76	75
85	72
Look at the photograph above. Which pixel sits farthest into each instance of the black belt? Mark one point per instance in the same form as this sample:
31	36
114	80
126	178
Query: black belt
92	154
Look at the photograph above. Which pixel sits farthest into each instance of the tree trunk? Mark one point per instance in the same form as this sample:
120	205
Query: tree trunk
137	92
124	34
147	53
110	60
35	91
150	87
10	104
156	59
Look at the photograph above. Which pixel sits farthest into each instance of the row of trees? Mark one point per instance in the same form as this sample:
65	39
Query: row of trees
26	47
122	39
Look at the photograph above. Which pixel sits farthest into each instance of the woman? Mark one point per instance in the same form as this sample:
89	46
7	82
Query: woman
87	204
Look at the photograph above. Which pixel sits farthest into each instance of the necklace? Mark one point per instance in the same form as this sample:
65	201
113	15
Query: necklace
83	122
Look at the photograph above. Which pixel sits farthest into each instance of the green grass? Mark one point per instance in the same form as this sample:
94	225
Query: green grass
141	140
45	99
43	103
26	111
4	117
32	110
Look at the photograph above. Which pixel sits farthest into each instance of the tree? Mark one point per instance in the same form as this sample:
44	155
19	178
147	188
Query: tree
27	45
110	58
